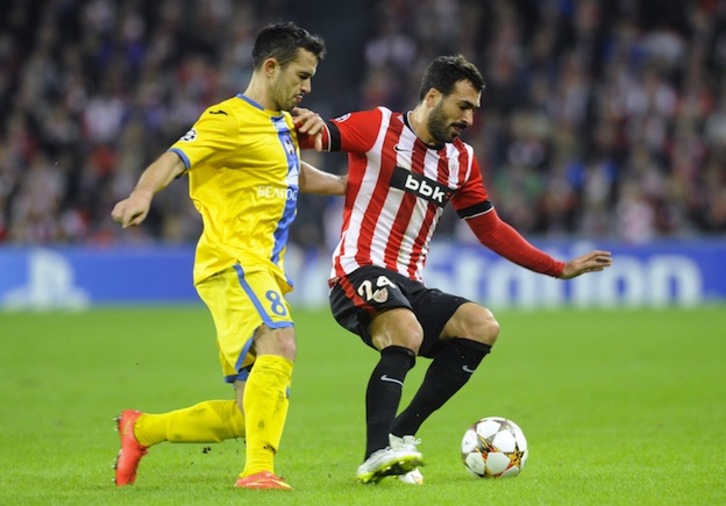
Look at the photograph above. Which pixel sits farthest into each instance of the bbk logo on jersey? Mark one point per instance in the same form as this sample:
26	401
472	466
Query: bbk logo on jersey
421	186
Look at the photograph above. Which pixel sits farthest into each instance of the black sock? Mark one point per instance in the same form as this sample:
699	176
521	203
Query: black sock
448	372
384	394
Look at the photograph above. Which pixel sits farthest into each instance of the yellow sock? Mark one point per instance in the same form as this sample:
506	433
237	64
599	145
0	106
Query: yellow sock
206	422
265	403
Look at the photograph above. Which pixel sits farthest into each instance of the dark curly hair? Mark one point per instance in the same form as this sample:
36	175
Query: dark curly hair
445	71
282	40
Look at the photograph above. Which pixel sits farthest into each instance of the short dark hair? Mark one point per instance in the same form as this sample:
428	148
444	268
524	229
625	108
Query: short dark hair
445	71
282	40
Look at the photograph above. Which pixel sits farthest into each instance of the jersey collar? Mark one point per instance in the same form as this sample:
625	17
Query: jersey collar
435	147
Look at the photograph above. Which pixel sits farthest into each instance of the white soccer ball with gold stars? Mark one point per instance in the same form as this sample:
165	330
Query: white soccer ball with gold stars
494	447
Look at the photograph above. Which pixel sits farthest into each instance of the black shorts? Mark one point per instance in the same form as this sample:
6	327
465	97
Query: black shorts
358	297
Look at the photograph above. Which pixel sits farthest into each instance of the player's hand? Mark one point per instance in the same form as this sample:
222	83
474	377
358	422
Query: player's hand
132	211
307	121
591	262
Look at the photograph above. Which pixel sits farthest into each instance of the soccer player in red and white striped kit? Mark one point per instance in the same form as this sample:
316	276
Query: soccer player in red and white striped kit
403	169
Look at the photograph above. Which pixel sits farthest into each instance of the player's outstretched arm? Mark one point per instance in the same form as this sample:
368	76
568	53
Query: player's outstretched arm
313	180
133	210
591	262
503	239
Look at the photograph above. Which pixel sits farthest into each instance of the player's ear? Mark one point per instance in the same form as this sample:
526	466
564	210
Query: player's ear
270	67
432	97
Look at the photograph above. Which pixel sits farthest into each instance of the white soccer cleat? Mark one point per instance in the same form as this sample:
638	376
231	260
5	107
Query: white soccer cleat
409	443
412	478
389	462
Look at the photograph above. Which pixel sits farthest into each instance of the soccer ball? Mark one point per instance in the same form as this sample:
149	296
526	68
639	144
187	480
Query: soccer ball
494	447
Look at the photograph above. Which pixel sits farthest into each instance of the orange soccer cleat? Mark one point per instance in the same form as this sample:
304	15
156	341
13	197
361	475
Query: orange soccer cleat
129	456
264	480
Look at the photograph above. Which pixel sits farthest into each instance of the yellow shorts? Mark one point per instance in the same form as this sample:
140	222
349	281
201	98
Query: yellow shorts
241	298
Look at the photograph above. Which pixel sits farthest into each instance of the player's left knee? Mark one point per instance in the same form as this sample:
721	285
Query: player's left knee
287	347
276	342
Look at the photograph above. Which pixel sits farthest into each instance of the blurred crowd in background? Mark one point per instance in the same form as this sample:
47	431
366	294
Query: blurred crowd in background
603	119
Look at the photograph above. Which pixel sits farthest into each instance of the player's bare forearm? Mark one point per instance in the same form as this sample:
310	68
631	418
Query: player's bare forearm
313	180
134	209
594	261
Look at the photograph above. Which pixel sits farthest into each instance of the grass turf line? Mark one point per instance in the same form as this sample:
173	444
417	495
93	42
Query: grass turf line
619	407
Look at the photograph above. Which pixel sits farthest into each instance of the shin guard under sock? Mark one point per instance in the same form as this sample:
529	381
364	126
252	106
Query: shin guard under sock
448	372
384	394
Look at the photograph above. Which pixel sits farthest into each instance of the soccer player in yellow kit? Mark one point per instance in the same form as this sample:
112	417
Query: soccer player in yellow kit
242	158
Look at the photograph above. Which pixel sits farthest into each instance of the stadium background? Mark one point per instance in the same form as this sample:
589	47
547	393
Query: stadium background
603	122
603	125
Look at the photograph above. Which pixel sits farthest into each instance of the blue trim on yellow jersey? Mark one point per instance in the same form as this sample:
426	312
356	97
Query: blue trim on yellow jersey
293	164
243	353
256	302
184	157
250	101
240	376
283	228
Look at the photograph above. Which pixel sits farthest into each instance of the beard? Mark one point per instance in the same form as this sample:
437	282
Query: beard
439	127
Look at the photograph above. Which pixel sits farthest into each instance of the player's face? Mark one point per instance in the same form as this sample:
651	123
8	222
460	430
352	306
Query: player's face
454	113
294	80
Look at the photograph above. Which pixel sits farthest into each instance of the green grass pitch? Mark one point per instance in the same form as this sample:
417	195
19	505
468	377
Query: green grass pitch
619	407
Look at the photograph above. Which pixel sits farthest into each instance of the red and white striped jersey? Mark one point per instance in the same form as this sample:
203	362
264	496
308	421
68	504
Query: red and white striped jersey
397	190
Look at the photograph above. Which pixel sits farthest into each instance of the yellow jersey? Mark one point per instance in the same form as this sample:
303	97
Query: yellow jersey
243	163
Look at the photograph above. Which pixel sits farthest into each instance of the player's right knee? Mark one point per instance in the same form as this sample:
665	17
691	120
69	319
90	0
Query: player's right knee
475	322
488	328
397	328
410	340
